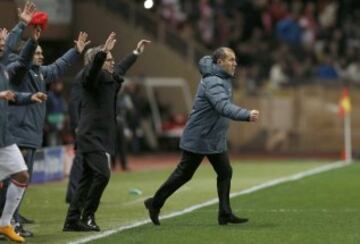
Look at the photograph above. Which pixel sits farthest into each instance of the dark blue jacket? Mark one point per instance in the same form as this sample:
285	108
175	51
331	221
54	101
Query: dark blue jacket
12	71
27	122
206	129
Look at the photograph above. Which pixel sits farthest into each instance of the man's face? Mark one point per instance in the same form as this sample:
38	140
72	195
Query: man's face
2	46
38	58
109	63
228	63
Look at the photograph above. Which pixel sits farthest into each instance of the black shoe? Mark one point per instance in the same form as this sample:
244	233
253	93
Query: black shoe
89	221
153	212
75	226
19	229
24	220
230	218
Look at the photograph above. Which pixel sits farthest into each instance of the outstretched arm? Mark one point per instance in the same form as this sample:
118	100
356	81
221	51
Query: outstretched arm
22	98
57	69
125	64
220	99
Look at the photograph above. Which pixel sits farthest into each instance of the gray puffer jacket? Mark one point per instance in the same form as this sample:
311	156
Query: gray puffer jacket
207	126
7	74
27	122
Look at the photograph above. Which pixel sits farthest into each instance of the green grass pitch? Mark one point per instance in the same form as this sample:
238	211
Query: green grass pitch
323	208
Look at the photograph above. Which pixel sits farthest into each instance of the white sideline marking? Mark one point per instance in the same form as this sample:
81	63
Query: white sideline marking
297	176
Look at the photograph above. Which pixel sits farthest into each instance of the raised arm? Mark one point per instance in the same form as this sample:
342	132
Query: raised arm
57	69
18	68
25	16
92	71
125	64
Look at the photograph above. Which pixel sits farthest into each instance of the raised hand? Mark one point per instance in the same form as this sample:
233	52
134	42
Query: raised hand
3	33
109	43
27	13
36	33
39	97
254	115
141	45
81	42
7	95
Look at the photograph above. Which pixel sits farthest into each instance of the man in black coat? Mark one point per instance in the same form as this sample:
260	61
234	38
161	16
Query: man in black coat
101	81
75	109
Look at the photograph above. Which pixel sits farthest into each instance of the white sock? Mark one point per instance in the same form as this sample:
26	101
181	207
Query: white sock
13	197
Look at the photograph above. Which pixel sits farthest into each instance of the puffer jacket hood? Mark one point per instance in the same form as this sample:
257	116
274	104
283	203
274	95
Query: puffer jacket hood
207	67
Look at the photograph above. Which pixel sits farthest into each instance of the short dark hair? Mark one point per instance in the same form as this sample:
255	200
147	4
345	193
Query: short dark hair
220	53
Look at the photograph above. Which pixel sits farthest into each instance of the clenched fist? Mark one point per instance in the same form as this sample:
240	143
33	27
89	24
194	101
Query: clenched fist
254	115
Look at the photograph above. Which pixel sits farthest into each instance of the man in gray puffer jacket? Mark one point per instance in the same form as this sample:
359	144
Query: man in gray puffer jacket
205	135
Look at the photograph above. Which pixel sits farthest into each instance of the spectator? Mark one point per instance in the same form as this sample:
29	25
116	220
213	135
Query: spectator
56	108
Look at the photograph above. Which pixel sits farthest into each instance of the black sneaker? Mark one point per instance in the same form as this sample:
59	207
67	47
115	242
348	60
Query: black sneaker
231	218
89	221
19	229
24	220
75	226
153	212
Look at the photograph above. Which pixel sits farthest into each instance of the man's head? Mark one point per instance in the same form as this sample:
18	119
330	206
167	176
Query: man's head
38	58
108	64
225	58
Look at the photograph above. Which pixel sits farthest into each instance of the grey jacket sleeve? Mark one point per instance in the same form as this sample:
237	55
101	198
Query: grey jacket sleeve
220	99
14	38
18	68
57	69
22	98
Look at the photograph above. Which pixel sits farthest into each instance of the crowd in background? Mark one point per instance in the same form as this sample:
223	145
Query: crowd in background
278	42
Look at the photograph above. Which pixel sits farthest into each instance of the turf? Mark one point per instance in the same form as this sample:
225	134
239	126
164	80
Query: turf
319	209
271	213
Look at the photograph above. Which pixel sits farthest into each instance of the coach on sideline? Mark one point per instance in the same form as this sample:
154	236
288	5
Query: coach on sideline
101	81
205	135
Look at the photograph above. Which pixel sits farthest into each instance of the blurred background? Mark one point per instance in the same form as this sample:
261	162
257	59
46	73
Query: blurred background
294	58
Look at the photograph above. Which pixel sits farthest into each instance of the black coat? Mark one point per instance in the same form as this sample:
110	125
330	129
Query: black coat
96	128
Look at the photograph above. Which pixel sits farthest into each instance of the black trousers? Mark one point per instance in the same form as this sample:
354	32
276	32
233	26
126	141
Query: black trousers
74	177
94	179
186	169
121	147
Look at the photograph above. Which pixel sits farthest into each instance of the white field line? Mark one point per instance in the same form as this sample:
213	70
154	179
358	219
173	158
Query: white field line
265	185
